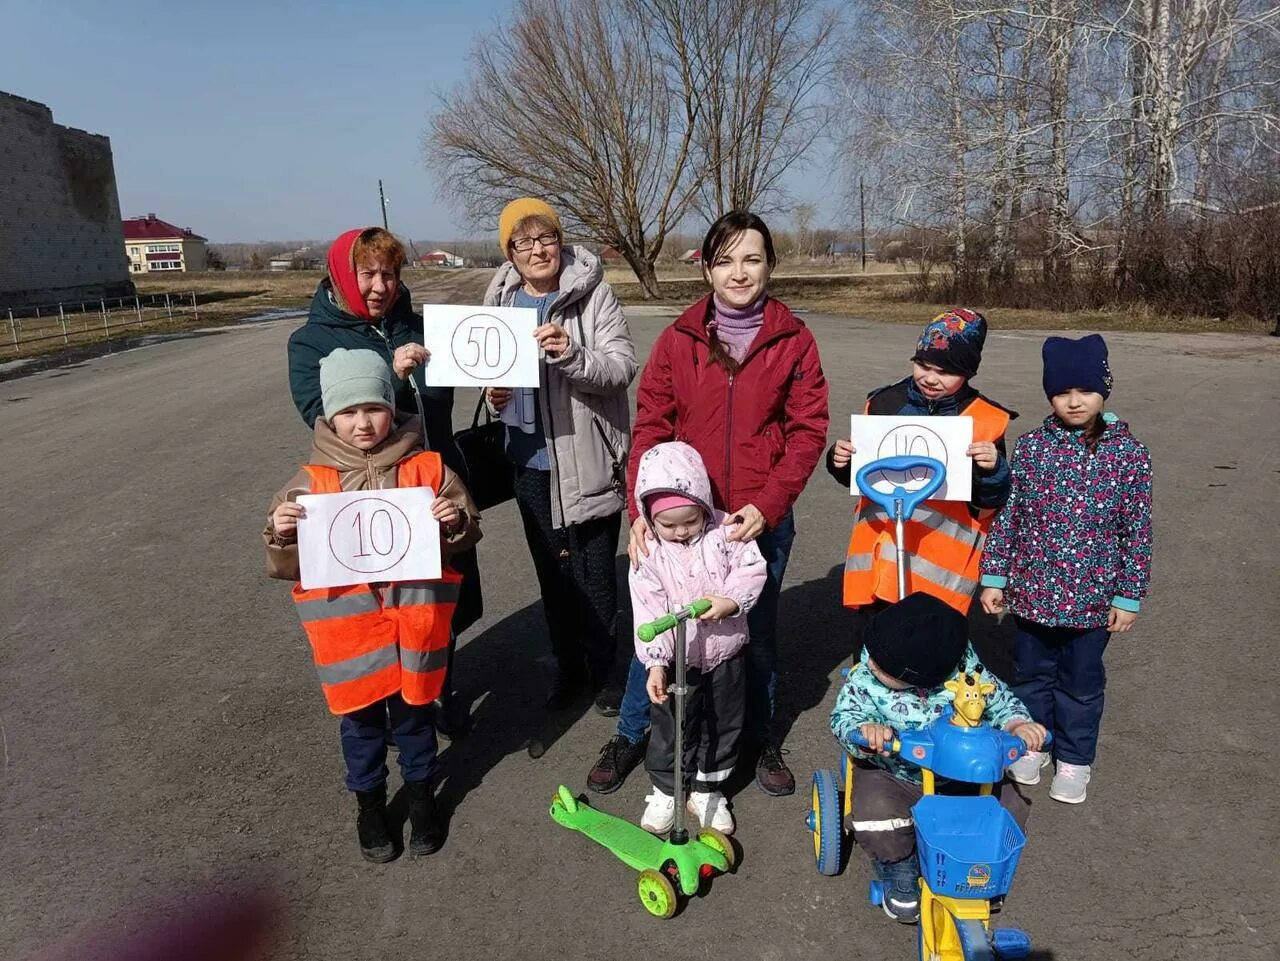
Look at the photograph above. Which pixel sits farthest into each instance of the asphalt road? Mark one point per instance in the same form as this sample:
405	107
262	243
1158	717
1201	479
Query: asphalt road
163	734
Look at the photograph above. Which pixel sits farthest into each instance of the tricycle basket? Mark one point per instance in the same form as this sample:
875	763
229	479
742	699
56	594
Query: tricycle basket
968	846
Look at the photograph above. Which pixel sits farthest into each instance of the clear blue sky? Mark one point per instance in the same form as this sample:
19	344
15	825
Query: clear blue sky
285	113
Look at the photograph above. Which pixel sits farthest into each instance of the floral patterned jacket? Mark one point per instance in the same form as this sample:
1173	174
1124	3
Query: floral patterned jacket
1074	538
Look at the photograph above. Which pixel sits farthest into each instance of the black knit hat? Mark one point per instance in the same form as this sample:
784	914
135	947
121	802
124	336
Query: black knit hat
920	640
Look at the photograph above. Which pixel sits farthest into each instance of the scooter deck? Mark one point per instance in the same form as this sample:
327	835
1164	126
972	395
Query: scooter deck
630	843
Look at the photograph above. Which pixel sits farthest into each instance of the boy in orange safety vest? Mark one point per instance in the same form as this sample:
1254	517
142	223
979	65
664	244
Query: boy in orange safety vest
380	649
943	538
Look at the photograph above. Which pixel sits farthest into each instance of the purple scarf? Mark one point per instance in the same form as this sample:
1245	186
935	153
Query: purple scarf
737	328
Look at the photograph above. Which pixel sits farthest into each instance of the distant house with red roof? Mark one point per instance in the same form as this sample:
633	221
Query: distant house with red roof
157	246
441	258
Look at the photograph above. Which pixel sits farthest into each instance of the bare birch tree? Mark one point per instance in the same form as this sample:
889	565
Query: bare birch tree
625	114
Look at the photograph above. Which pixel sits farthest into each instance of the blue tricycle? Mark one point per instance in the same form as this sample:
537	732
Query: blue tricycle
968	847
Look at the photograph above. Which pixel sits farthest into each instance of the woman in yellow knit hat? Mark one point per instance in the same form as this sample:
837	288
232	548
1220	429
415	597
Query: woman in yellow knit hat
569	441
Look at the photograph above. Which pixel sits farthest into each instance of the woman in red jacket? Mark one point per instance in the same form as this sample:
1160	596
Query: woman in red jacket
738	377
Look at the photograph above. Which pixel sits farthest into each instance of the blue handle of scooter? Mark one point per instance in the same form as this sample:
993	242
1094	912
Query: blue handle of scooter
910	499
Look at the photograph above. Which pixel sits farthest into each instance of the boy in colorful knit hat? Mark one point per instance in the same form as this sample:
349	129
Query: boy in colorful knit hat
380	649
1071	578
944	537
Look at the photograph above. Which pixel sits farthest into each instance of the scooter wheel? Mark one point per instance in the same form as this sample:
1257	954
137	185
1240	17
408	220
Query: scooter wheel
657	893
718	842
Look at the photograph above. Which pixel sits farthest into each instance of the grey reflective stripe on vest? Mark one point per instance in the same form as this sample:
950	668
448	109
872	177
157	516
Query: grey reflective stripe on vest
424	662
926	517
345	605
357	667
920	567
410	593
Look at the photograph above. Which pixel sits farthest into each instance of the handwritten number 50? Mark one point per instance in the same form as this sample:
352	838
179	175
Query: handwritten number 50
491	348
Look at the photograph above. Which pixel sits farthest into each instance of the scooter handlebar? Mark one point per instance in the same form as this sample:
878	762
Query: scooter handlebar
910	499
647	632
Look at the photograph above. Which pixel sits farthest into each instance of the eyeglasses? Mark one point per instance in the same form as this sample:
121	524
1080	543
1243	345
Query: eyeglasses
526	243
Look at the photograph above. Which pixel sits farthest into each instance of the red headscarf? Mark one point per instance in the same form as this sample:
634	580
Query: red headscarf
342	273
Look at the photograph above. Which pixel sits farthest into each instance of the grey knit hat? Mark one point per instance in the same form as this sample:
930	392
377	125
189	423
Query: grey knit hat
351	377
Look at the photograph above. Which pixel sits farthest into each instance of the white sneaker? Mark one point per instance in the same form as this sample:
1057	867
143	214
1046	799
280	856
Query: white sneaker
659	813
1069	782
1026	769
711	810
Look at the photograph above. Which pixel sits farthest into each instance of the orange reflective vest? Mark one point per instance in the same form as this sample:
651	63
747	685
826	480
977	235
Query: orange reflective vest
943	539
370	644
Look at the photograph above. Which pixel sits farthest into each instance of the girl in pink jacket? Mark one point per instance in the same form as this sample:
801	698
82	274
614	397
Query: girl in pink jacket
692	558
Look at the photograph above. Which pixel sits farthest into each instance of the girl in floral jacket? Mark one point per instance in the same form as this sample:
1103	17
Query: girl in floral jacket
1070	557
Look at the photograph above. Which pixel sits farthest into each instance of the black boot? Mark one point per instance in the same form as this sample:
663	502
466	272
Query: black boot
452	718
371	826
426	832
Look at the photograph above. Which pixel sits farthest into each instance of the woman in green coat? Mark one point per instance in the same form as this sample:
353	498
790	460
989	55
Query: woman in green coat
362	303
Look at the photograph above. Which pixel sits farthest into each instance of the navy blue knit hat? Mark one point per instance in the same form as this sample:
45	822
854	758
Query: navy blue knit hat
953	341
1076	363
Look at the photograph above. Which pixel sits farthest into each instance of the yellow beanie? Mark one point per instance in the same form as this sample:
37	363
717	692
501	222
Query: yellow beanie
517	211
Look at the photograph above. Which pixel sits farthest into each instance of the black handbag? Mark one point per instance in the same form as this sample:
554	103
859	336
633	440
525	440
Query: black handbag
490	475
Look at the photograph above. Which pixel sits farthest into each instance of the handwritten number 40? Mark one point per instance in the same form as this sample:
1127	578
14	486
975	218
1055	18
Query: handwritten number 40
376	533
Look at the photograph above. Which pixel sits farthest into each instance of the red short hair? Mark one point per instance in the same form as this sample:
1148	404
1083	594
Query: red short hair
379	244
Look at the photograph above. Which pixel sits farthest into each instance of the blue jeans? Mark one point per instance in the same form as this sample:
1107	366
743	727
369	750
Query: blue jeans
364	742
762	648
1058	675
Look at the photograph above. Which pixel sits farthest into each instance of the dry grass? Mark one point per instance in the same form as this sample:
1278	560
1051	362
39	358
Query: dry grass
884	297
220	299
269	288
848	267
231	297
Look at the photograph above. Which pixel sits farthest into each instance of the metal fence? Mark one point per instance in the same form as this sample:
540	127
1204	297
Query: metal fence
37	329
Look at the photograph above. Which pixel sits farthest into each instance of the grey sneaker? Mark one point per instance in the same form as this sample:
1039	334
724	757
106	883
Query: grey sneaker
1069	783
1026	769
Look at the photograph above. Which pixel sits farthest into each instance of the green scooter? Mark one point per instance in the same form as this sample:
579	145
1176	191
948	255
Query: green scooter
678	864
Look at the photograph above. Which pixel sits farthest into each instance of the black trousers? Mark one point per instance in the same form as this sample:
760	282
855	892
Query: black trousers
575	568
714	710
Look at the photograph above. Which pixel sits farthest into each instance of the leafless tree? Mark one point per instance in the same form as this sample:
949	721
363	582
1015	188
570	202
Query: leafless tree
569	102
1075	130
625	115
760	67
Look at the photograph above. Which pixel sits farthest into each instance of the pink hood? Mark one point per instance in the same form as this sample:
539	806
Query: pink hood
674	574
674	468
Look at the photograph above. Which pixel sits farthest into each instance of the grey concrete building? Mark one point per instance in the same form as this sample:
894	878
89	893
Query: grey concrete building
60	231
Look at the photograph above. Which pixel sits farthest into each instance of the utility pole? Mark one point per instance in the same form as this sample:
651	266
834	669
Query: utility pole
862	204
382	199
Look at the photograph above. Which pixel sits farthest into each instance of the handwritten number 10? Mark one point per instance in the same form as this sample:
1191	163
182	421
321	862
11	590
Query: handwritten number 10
917	444
372	529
